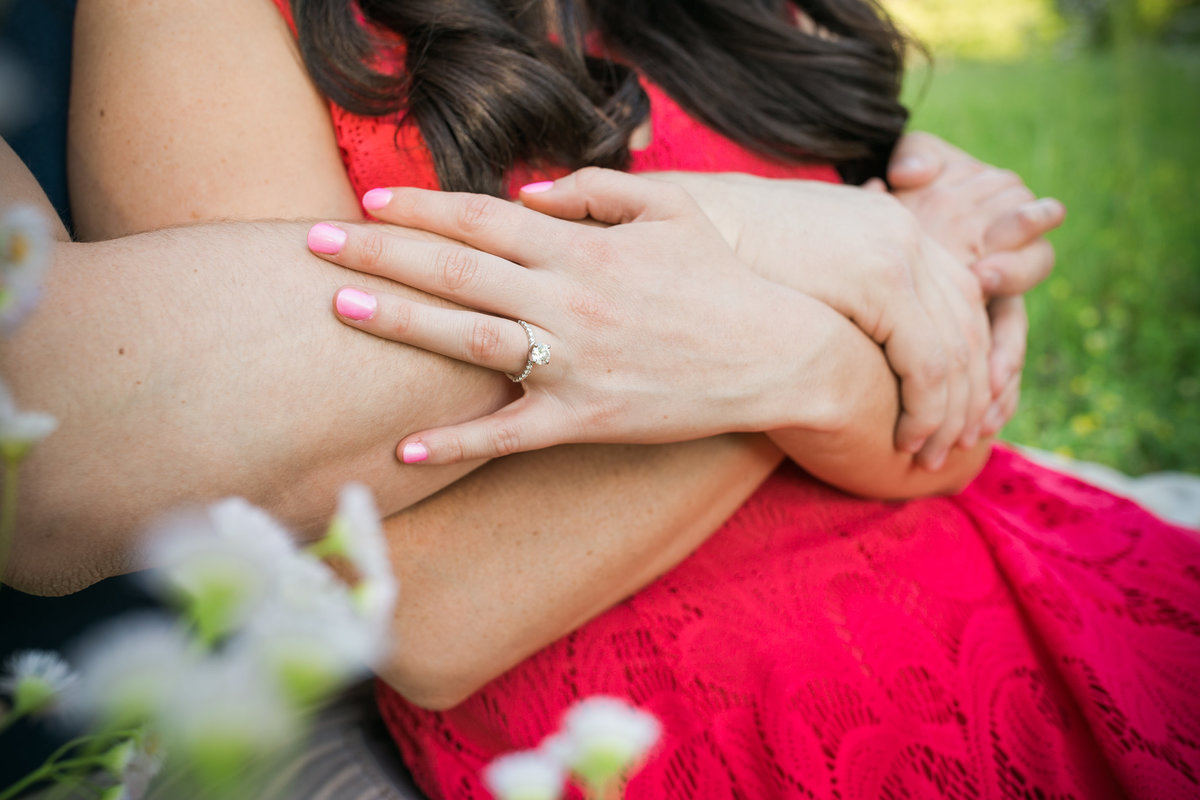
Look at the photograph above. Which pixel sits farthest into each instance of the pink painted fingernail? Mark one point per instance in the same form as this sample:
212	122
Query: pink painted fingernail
376	199
326	239
540	186
354	304
415	452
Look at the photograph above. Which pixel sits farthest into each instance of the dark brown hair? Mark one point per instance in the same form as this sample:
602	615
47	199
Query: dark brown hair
494	83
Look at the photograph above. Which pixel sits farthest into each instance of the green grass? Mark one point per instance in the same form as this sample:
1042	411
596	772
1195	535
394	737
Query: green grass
1113	371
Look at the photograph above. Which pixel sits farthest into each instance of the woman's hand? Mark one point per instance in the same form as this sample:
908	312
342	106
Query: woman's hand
866	256
655	331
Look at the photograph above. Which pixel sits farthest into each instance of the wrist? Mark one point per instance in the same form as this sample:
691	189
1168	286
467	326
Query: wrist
807	385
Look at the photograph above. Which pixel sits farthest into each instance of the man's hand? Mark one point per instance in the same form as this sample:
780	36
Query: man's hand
991	221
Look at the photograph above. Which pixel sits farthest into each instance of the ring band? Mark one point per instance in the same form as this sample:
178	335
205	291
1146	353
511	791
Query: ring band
538	354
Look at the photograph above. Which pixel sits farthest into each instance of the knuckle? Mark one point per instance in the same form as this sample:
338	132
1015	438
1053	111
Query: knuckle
976	245
959	355
921	423
455	448
372	251
594	250
590	179
926	430
933	370
973	338
485	343
457	267
401	320
504	440
1006	177
476	212
589	307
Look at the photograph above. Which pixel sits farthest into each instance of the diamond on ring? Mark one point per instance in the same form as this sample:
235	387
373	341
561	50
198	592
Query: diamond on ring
539	354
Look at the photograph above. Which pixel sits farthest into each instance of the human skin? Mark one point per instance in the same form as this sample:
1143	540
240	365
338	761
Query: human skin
609	347
584	525
143	430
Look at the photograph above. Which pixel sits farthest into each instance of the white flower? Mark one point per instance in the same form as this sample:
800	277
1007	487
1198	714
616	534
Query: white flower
356	534
526	775
557	747
226	713
602	737
25	248
240	571
130	667
36	680
20	430
309	634
222	563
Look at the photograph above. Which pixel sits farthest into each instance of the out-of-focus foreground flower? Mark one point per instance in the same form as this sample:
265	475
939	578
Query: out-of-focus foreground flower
20	430
267	632
603	737
35	680
25	248
526	775
602	741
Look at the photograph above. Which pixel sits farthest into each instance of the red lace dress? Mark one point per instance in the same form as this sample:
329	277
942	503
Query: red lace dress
1032	637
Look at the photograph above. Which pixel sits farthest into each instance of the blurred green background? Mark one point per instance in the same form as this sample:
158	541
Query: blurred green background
1097	103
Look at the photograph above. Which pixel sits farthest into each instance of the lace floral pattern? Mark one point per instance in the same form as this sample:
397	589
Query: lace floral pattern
1030	638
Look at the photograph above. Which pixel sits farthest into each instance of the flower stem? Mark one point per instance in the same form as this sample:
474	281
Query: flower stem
53	765
8	511
12	717
39	774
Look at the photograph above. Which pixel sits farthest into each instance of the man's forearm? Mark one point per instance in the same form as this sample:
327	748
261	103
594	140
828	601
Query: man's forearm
193	363
858	454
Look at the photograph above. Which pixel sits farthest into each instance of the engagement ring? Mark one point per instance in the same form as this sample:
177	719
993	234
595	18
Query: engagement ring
538	354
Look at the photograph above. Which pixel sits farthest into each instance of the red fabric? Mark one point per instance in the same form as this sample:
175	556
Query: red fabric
1033	637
